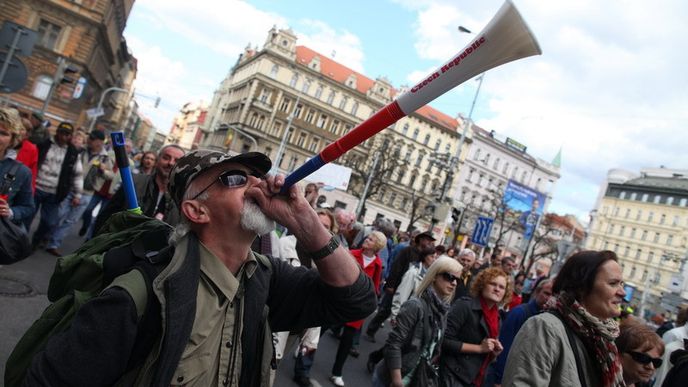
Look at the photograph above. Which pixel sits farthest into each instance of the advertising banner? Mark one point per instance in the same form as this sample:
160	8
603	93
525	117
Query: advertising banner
525	205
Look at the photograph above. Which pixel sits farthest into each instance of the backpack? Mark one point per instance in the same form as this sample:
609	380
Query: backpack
129	253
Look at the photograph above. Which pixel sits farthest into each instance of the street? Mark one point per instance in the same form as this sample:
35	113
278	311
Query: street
23	288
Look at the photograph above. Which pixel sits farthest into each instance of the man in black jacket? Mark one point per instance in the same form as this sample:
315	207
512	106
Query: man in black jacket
220	301
59	173
151	191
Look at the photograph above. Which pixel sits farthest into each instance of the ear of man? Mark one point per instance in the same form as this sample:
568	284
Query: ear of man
195	211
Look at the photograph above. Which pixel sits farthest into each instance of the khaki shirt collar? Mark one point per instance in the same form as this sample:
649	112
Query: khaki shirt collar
213	268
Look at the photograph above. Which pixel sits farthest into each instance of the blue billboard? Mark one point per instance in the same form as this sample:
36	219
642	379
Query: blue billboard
524	204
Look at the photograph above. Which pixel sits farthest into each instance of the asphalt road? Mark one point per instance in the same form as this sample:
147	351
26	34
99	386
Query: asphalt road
23	288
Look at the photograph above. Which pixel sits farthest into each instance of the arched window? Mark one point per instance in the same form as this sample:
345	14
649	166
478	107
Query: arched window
41	87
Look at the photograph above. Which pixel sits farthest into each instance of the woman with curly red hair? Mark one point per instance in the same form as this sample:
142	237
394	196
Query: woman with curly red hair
473	323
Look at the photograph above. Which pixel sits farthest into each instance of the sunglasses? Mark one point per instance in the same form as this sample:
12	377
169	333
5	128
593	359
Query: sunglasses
645	359
231	179
450	277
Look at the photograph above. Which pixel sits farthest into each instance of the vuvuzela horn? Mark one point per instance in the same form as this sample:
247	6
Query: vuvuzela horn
505	38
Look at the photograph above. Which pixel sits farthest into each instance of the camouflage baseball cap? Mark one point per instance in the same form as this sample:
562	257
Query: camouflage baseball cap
193	163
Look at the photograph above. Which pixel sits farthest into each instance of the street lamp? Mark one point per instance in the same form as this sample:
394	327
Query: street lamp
100	105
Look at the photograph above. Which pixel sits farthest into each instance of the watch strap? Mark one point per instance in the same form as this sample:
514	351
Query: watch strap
328	249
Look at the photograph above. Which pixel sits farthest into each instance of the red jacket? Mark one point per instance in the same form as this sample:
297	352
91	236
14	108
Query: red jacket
374	271
28	155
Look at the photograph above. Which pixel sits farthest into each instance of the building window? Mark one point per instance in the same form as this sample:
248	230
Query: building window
404	129
606	245
657	199
321	121
632	233
437	145
476	155
622	195
650	216
306	87
638	253
407	158
621	230
616	211
633	195
656	239
310	115
274	71
505	170
628	213
644	277
354	109
447	148
419	159
486	159
314	145
416	131
334	128
261	121
662	219
284	106
644	235
342	103
524	177
670	240
265	95
627	251
495	166
41	87
392	199
319	91
657	278
330	98
514	172
426	140
294	79
297	111
639	214
675	221
632	275
289	136
650	256
644	197
670	200
48	33
683	202
252	121
301	140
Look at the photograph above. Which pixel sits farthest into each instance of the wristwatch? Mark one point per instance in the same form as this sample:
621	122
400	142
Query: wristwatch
328	249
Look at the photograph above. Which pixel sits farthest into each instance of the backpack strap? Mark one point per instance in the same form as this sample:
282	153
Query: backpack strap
9	177
572	342
135	284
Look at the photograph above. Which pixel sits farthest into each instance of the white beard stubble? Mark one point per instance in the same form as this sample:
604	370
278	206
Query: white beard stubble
253	219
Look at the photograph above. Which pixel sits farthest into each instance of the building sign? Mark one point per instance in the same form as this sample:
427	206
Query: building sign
524	204
511	143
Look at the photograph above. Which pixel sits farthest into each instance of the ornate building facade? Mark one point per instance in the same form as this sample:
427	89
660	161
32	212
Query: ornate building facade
84	39
643	217
290	101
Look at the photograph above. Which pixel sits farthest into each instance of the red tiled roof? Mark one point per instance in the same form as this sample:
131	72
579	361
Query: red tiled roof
341	73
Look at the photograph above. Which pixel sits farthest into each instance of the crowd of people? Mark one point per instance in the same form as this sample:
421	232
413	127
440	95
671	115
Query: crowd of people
66	176
253	275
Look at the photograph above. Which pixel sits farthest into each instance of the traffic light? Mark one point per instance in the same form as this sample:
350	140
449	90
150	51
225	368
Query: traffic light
69	74
455	214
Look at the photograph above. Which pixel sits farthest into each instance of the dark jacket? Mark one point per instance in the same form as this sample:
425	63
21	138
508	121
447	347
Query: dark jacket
64	183
400	266
465	324
19	192
147	196
95	350
411	335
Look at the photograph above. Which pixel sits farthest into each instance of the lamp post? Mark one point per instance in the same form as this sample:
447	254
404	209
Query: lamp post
100	104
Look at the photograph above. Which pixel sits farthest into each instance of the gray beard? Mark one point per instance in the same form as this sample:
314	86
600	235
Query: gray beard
253	219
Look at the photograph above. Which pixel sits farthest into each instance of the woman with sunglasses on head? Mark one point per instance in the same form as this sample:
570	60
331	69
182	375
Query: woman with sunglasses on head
473	323
414	342
641	353
572	344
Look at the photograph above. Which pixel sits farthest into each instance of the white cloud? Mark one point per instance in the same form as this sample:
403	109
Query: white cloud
610	87
321	37
227	26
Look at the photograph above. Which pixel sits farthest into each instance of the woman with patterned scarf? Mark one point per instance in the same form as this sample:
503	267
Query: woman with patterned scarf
572	344
473	323
413	345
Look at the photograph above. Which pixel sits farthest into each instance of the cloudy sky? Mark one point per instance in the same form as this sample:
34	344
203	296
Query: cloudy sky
611	88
